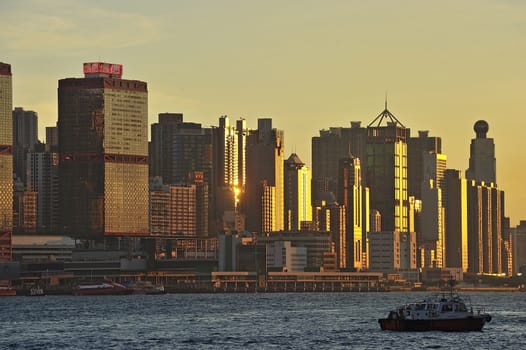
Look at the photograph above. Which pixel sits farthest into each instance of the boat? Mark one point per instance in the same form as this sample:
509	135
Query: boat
7	291
441	312
36	292
104	287
147	287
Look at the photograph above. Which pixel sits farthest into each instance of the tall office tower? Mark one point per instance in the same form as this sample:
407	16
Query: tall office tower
25	138
486	238
298	208
328	149
161	146
455	204
226	173
417	148
355	198
242	135
482	163
432	245
6	161
264	205
42	170
179	149
103	145
485	227
387	170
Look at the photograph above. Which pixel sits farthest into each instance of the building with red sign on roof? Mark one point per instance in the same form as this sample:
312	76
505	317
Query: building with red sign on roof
103	146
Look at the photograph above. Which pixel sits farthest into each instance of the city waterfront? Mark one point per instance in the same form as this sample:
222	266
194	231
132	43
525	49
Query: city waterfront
235	321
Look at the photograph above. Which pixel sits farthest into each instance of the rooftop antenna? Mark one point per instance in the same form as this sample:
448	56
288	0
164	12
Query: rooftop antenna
386	99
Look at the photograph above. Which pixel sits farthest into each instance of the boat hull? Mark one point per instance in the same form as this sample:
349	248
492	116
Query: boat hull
7	292
473	323
102	291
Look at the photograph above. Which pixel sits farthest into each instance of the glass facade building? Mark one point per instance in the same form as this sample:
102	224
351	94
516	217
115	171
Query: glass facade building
6	161
103	145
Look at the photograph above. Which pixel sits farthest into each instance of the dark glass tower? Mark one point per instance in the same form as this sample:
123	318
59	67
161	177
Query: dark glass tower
103	146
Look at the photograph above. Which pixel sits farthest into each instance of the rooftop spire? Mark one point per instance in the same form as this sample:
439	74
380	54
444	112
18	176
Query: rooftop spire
390	118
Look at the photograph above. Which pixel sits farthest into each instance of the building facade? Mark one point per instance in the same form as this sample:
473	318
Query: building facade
6	161
103	143
25	138
298	208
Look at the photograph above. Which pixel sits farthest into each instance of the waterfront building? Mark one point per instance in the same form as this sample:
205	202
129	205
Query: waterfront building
417	149
316	244
25	138
103	146
392	251
264	205
298	208
6	161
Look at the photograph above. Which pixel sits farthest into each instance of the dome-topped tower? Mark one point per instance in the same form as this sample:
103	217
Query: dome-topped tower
481	128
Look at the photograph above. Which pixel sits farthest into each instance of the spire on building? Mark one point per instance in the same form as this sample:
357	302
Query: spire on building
387	115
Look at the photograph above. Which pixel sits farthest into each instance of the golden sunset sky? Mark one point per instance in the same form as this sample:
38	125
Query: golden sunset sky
308	65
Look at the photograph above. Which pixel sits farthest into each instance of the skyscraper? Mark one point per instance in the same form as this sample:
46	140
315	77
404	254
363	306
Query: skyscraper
486	241
103	143
387	170
297	197
178	150
25	138
264	205
355	199
327	150
455	203
6	161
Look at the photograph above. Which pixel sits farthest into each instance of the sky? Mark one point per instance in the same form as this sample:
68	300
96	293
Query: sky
308	65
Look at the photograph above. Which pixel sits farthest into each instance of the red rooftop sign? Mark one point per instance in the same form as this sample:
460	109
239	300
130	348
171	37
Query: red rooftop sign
102	68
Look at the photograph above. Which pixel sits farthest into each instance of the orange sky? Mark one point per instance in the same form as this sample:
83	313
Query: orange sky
308	65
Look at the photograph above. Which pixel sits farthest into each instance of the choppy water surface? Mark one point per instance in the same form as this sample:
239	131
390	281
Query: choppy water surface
242	321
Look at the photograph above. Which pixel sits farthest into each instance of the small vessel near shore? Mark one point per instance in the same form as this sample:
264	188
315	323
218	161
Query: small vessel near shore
146	287
104	287
7	291
36	292
442	312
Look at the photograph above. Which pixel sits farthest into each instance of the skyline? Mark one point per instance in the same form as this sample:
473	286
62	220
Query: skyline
297	63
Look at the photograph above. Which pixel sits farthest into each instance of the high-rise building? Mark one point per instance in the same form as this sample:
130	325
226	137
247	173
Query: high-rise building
355	199
387	170
229	147
327	150
264	205
417	148
519	247
178	150
42	170
455	204
297	197
432	245
103	143
482	162
6	161
487	236
25	138
52	139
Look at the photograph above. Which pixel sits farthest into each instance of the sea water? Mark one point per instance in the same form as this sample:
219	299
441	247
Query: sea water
243	321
